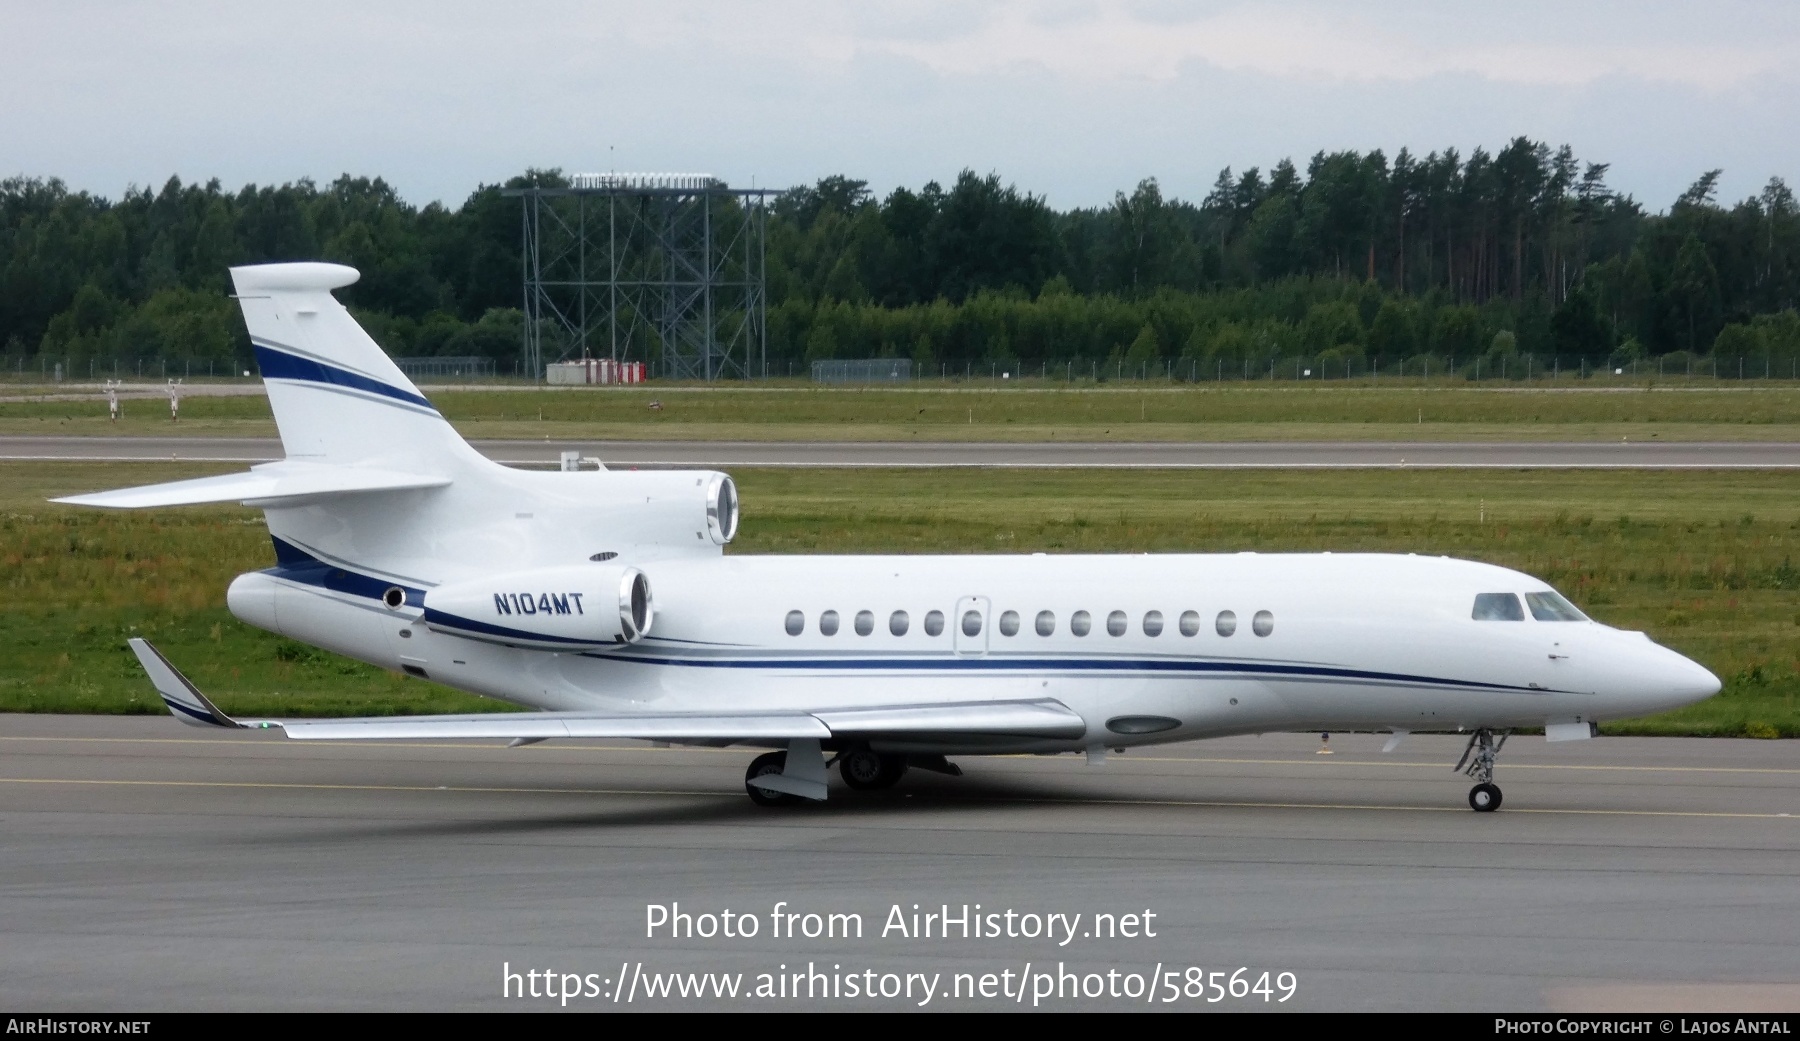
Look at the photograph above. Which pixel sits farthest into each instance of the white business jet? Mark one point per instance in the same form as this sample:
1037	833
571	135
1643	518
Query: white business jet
604	599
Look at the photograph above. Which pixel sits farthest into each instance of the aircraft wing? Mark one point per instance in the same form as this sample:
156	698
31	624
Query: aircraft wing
539	726
1037	717
1044	717
270	484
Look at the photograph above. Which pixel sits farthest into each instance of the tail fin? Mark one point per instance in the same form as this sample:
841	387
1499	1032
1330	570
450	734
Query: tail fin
337	397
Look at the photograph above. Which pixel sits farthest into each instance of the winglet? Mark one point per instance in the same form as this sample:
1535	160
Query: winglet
184	699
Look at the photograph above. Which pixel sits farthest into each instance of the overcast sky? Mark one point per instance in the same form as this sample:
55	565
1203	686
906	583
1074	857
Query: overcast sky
1068	99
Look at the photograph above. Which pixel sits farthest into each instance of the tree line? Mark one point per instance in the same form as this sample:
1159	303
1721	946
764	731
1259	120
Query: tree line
1357	260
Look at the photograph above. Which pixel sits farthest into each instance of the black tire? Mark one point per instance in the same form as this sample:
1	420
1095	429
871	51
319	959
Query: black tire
868	771
767	763
1484	798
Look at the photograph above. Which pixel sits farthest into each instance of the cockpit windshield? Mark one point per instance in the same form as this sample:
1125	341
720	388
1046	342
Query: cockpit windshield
1549	606
1497	607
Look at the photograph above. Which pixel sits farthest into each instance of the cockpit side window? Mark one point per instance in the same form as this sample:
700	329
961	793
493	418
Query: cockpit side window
1497	607
1549	606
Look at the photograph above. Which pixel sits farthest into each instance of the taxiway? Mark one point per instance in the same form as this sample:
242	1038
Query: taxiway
146	866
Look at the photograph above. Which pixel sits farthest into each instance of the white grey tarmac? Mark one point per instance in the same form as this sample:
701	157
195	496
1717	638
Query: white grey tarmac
145	866
1103	455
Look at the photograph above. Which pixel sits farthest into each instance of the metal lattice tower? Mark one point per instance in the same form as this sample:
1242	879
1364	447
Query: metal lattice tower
661	268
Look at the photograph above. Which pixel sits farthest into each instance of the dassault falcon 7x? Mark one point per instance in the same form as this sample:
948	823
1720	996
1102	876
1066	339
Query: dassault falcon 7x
604	600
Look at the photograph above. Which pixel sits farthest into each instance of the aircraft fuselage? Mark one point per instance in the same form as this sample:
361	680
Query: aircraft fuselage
1147	648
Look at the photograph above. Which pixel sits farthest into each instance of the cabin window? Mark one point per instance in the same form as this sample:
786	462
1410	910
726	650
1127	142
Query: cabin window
1153	623
796	623
971	623
1080	623
1190	623
1046	623
897	623
865	622
828	623
934	623
1263	623
1115	623
1226	623
1551	607
1009	623
1497	607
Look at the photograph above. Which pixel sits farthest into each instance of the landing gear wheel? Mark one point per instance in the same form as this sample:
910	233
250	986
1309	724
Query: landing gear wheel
767	763
1484	798
868	771
1479	758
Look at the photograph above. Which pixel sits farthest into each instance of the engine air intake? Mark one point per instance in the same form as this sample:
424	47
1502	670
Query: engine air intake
721	509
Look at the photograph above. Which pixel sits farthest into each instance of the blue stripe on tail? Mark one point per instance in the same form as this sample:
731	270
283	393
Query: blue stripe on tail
280	365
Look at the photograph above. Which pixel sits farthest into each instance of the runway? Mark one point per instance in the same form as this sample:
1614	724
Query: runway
145	866
1142	455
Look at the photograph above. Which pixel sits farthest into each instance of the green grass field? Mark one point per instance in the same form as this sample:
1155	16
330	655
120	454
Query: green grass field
1150	412
1701	561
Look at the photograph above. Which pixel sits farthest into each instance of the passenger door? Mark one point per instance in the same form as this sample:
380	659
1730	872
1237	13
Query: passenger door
971	614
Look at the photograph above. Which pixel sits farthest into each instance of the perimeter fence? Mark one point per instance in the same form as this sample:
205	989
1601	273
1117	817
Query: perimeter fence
1519	369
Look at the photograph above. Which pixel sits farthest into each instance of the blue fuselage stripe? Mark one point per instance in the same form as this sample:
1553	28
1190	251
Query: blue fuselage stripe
1035	664
297	565
442	618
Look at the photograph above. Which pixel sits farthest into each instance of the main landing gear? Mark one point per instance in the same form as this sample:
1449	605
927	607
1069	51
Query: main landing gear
868	771
1479	757
798	775
767	763
786	778
861	768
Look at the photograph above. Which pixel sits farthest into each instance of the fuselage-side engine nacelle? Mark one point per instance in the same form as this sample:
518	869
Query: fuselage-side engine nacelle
555	609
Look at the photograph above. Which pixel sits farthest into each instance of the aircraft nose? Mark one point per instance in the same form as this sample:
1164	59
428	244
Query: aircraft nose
1698	681
1651	678
1685	681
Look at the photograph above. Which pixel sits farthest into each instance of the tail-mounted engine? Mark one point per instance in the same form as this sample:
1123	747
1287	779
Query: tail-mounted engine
721	509
579	608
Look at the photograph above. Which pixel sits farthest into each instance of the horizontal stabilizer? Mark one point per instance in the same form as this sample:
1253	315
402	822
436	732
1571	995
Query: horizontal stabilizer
271	484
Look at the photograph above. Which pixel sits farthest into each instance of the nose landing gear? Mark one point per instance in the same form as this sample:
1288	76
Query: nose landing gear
1479	758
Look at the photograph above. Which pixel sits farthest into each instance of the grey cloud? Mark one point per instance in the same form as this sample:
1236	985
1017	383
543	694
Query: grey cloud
440	97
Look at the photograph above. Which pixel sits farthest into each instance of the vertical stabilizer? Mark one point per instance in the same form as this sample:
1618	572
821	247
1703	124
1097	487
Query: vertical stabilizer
336	396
